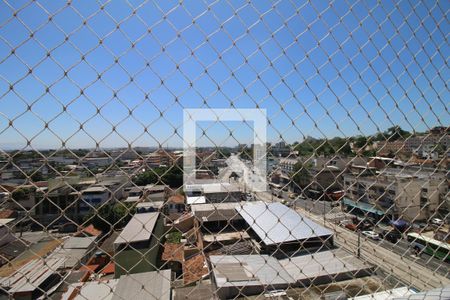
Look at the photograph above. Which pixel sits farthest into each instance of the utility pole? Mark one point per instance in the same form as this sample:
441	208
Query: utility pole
359	244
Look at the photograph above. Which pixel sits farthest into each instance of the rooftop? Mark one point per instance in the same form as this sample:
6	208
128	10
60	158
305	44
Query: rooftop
132	199
95	189
217	211
248	270
325	263
93	290
29	277
215	187
144	286
276	223
139	228
194	268
196	200
79	242
203	290
89	230
178	198
173	252
72	257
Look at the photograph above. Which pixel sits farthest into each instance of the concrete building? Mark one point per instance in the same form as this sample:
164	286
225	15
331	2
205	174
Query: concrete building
137	247
412	195
100	193
287	164
218	192
162	158
282	231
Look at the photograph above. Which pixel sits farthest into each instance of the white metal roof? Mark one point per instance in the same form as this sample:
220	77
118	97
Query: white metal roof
132	199
95	189
324	263
144	286
196	200
276	223
139	228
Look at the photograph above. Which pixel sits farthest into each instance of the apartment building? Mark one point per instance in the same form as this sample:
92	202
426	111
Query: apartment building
412	195
162	157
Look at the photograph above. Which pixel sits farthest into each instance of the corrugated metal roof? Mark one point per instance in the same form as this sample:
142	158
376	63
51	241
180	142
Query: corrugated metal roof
72	257
248	270
324	263
276	223
139	228
74	242
29	277
144	286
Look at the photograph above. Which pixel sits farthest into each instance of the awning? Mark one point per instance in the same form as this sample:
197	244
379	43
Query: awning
362	206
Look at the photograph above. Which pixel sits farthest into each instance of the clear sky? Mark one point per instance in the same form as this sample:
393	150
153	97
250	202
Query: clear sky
131	65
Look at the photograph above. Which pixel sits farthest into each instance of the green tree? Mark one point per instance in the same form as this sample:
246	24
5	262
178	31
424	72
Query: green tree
110	216
396	133
301	175
172	177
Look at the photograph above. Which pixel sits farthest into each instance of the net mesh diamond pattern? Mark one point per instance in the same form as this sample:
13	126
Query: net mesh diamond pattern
132	152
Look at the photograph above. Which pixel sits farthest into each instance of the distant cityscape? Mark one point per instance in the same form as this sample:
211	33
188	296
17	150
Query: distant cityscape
84	208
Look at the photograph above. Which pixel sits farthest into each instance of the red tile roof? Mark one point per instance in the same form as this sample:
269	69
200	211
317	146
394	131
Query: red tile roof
7	213
194	269
90	231
178	198
173	252
108	269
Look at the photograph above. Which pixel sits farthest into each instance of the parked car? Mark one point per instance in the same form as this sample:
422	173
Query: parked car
349	225
392	236
371	235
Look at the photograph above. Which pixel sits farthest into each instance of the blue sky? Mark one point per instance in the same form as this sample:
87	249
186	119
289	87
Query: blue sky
131	65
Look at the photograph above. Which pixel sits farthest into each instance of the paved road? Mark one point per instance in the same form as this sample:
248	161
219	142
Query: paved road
394	260
249	176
